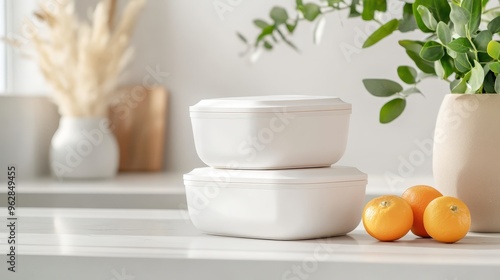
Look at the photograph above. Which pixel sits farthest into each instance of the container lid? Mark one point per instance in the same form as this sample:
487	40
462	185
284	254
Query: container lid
285	176
271	103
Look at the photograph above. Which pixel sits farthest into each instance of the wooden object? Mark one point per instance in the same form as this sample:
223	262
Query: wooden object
138	120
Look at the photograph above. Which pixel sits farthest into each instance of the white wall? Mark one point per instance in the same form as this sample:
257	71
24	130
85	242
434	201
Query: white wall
189	40
200	51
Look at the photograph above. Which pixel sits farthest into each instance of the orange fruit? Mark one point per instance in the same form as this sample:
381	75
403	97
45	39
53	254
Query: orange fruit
387	218
447	219
419	197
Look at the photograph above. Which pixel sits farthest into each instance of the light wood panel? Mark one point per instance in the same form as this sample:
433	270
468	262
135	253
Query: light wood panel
139	121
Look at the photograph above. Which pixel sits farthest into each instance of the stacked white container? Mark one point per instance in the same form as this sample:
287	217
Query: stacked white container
270	173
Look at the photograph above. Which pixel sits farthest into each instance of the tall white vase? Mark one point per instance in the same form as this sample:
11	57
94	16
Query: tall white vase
84	148
467	155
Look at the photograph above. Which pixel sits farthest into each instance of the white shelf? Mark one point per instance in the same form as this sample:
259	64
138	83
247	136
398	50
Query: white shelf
135	190
162	244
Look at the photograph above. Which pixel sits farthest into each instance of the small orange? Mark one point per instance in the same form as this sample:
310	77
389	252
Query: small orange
447	219
419	197
387	218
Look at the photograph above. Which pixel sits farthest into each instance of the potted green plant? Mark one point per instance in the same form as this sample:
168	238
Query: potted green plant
461	48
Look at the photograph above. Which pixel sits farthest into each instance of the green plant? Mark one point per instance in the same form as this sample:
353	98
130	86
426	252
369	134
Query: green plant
460	47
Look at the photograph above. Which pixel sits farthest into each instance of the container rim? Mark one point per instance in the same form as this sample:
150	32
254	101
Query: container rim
271	104
277	186
333	174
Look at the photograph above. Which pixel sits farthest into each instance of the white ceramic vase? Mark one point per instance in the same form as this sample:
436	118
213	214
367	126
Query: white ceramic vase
84	148
466	159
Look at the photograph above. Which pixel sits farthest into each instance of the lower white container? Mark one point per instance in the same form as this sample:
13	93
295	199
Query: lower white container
276	204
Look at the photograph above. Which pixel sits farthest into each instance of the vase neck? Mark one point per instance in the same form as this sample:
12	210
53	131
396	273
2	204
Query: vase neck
84	123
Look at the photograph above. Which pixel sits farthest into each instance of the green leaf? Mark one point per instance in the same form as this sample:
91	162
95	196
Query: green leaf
474	7
460	45
370	6
407	23
410	45
265	32
382	87
279	15
429	20
268	45
462	63
298	3
497	84
382	32
447	64
493	49
494	25
443	33
432	51
290	27
490	14
459	87
392	109
482	39
439	69
242	38
440	10
489	83
422	64
353	12
453	54
413	49
260	23
411	90
310	11
477	77
332	3
484	57
460	18
444	67
495	67
407	74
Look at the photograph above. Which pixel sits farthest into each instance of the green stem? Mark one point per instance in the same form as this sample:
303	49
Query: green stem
475	49
473	46
301	18
283	37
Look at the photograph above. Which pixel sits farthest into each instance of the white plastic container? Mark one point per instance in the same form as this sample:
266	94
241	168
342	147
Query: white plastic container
270	132
276	204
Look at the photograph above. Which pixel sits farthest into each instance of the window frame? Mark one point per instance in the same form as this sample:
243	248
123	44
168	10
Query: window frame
3	47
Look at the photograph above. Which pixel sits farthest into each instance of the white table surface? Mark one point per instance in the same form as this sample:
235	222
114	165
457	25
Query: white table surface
131	244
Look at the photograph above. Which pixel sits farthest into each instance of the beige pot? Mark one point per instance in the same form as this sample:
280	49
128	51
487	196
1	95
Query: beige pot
467	155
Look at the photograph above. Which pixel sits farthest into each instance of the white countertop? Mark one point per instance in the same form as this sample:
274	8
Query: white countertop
132	244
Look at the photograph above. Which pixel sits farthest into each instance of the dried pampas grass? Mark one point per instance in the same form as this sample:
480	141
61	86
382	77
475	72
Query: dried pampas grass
83	61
